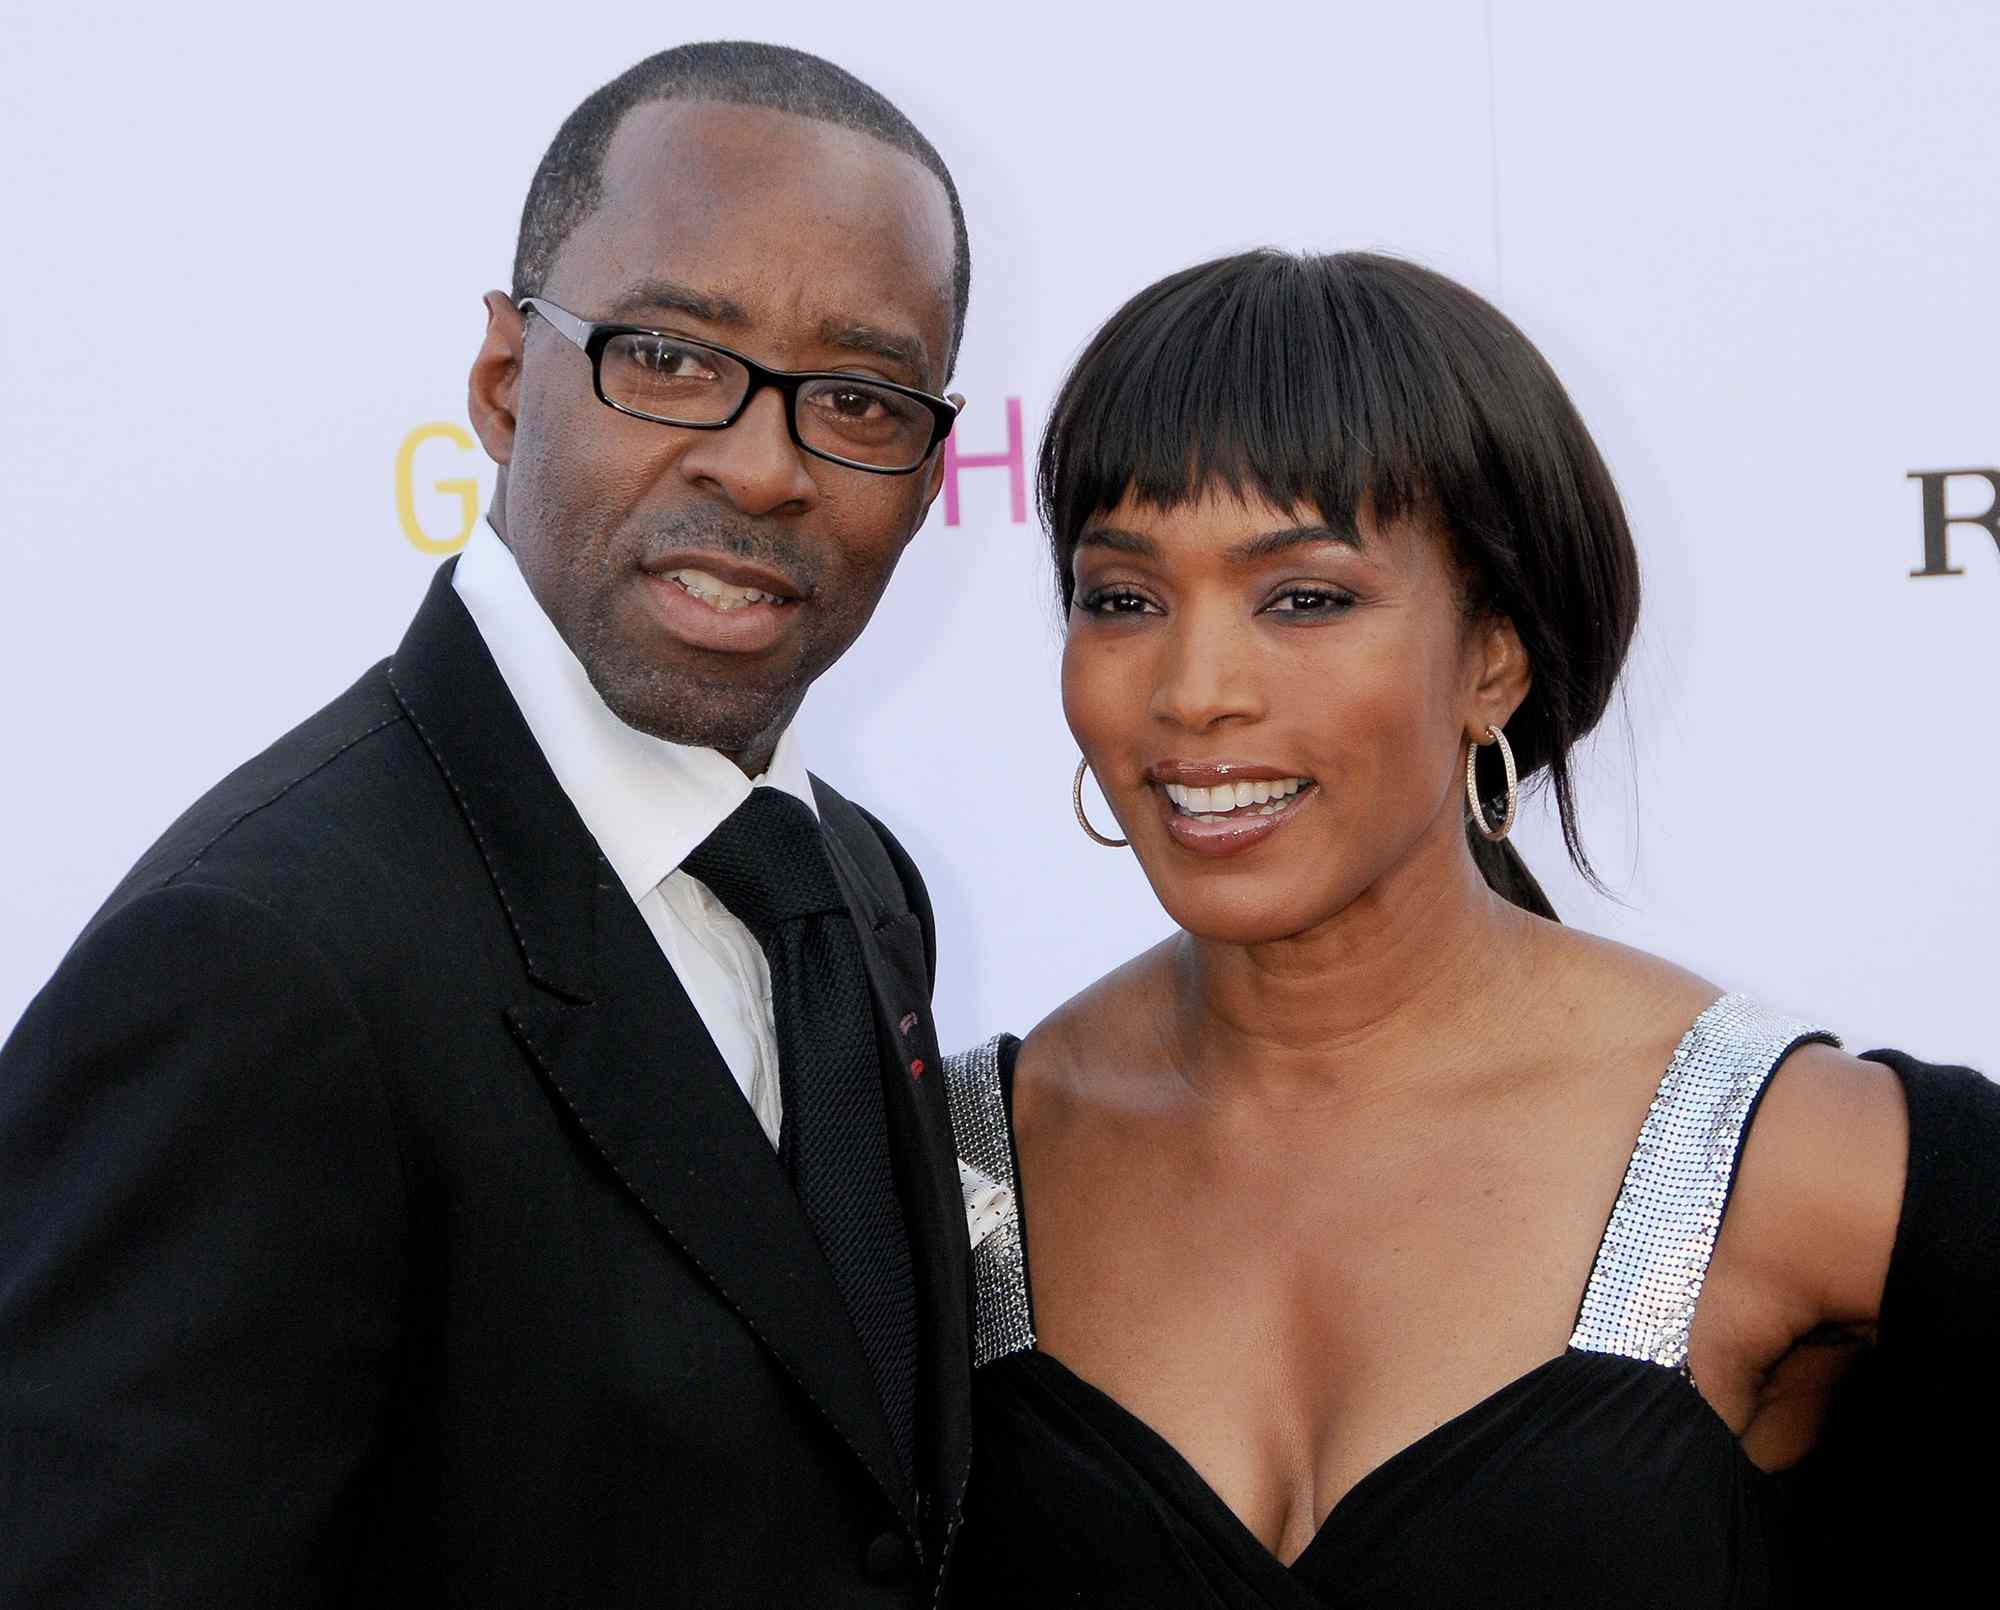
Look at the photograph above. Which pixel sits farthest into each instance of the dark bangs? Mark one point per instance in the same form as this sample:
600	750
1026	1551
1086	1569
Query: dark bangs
1355	381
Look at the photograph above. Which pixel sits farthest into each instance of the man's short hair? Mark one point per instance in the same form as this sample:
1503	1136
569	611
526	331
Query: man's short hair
569	183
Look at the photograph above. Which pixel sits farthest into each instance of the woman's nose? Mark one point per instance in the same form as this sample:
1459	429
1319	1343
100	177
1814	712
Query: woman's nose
1206	677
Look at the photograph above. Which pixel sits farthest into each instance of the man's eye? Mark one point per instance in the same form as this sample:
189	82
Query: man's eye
851	402
675	362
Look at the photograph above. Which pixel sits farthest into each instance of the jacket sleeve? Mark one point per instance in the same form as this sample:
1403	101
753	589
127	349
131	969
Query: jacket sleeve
1894	1505
200	1265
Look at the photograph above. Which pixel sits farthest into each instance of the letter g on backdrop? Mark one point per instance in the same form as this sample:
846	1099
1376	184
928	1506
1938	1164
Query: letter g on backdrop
464	488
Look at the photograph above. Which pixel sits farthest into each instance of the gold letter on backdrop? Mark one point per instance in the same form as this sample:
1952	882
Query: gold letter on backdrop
406	503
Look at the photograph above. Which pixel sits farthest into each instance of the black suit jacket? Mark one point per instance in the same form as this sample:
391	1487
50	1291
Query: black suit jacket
378	1222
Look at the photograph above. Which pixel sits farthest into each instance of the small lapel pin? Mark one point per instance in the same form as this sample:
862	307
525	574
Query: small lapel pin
909	1022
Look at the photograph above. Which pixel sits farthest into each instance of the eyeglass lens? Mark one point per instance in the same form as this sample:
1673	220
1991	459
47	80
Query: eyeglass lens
686	383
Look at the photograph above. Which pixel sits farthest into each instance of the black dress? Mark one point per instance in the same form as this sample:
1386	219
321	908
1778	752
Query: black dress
1600	1478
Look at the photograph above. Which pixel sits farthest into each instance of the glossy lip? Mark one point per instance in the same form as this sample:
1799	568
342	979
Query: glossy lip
752	629
1207	773
1216	839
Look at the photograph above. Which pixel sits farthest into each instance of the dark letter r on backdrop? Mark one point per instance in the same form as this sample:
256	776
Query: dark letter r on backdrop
1937	523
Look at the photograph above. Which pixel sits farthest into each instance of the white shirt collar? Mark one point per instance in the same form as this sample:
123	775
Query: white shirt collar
647	802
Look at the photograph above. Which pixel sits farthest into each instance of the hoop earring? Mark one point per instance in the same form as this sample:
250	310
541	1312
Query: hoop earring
1506	823
1083	821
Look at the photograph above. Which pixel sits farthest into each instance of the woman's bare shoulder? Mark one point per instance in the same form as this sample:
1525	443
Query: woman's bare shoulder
1103	1033
1614	1005
1820	1186
1831	1129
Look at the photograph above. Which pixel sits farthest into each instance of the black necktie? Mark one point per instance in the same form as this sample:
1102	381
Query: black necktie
768	864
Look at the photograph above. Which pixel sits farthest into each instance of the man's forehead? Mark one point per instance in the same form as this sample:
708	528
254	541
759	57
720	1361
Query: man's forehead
768	215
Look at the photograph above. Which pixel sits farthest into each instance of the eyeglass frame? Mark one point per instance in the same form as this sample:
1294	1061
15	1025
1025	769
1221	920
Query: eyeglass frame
592	336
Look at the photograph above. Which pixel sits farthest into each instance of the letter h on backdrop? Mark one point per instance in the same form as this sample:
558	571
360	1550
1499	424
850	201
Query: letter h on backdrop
1013	460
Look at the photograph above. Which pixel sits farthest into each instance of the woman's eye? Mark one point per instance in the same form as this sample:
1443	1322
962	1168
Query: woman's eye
1310	601
1114	601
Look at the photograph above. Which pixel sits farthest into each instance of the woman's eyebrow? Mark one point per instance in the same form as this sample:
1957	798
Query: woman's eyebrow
1119	541
1251	549
1285	538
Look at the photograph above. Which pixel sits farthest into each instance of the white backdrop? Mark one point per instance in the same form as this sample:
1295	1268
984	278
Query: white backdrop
1757	241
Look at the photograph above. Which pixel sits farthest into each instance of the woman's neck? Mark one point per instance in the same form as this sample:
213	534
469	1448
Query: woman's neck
1388	993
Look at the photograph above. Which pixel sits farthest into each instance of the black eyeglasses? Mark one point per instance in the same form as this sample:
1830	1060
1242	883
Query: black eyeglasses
866	424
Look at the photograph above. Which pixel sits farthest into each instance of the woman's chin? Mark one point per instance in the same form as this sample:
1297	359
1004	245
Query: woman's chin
1245	915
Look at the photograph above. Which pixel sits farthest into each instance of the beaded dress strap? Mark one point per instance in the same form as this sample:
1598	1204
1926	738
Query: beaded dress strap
1654	1257
1003	1319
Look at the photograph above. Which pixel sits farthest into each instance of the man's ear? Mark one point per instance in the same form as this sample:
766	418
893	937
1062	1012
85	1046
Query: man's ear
1501	676
934	476
492	392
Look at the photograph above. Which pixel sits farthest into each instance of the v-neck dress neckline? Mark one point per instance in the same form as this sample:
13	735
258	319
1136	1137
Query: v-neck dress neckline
1601	1464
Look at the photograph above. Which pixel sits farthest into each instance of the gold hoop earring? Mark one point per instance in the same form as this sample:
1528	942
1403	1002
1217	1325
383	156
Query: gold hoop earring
1506	823
1083	821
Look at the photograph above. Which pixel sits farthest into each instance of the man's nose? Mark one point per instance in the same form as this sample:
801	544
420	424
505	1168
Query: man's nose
1206	676
754	463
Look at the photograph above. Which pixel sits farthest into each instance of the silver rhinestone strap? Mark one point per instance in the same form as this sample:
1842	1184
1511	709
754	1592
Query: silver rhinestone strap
1654	1257
993	1214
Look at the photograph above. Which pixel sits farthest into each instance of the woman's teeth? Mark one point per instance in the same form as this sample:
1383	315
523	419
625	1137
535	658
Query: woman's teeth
719	594
1259	798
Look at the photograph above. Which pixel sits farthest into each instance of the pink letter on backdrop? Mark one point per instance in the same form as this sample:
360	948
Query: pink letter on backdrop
1013	459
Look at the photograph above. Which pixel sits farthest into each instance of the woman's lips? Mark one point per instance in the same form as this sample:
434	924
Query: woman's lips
1204	773
1212	834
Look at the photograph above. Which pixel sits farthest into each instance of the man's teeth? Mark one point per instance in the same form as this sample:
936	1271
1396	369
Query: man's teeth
1259	798
719	594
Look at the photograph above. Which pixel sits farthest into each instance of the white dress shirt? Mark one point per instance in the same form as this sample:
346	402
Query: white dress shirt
648	803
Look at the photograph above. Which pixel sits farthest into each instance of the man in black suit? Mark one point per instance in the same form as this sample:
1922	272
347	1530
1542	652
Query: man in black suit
489	1151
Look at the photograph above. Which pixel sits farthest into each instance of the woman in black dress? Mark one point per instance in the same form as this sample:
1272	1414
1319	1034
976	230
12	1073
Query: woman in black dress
1364	1243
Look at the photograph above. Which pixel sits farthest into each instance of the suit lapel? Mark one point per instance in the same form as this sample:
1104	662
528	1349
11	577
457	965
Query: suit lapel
927	1172
649	1092
617	1043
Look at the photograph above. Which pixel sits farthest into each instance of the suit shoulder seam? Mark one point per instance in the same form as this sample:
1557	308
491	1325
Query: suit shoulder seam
290	783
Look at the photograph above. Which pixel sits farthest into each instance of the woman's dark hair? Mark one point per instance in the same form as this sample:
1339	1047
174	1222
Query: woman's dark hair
1352	382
